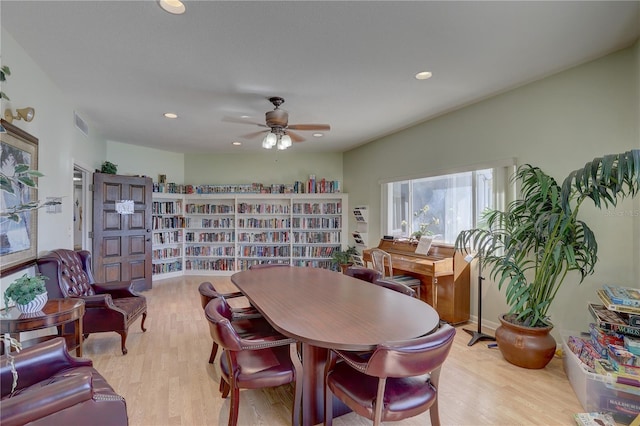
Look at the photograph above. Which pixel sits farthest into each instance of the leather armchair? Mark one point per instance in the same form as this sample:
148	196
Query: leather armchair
396	381
109	307
365	274
253	362
246	320
396	286
55	388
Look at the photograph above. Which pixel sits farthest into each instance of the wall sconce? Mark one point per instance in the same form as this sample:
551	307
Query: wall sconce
25	114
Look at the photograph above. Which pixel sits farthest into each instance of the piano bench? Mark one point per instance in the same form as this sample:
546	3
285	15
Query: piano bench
409	281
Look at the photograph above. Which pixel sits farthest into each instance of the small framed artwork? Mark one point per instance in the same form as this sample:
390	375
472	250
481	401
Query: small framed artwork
18	225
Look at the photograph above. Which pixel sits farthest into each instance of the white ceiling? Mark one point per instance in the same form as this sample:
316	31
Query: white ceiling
350	64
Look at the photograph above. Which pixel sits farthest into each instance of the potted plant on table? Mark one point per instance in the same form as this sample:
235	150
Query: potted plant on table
28	292
532	246
343	258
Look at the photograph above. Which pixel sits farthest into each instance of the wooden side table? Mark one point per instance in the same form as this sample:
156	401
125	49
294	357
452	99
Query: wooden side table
56	313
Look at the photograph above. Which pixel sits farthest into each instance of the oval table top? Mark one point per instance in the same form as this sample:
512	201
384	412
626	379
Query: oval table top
331	310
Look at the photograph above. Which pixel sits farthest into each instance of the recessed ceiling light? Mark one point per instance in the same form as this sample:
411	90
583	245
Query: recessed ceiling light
423	75
170	115
318	135
236	143
244	116
175	7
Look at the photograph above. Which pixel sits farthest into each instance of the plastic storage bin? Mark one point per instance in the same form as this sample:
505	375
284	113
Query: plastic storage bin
597	392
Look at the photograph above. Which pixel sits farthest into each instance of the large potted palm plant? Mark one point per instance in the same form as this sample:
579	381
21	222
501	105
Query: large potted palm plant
531	246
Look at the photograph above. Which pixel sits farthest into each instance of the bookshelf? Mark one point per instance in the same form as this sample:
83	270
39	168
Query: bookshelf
167	233
225	233
210	234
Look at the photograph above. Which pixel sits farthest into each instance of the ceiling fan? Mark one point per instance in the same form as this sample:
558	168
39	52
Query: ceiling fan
279	132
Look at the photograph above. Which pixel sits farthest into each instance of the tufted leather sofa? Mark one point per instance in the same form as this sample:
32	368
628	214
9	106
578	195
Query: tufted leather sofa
55	388
109	306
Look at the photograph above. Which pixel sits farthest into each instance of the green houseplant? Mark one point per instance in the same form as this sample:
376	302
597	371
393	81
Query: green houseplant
531	246
25	290
343	258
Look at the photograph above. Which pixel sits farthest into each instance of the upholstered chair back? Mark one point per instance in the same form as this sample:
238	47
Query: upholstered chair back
361	273
73	271
219	315
413	357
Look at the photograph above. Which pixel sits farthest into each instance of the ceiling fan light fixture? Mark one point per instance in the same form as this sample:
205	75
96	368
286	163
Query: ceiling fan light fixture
285	140
174	7
318	135
269	141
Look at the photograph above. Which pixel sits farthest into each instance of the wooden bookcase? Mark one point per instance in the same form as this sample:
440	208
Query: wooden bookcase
225	233
168	236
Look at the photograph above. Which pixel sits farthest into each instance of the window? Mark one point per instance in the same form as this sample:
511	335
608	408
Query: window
442	205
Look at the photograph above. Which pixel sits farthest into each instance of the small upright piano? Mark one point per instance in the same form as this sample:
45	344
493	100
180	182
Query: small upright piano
443	273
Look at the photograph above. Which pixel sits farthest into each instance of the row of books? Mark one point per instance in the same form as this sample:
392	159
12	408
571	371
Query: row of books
312	186
623	296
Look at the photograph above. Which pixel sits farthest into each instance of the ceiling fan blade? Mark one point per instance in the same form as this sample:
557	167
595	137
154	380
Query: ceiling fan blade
295	137
324	127
254	134
242	121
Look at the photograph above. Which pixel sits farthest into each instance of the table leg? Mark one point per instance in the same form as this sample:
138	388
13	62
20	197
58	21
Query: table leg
313	362
79	336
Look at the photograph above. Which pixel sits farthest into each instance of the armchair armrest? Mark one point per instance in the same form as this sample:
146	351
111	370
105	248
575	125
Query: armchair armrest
117	289
49	399
38	363
98	301
266	342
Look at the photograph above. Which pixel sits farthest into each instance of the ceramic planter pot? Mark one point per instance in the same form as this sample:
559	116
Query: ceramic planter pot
35	305
528	347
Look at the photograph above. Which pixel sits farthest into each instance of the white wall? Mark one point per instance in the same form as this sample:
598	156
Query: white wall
558	123
138	160
60	143
265	167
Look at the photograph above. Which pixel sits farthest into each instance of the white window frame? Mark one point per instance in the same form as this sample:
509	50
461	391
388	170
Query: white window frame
503	190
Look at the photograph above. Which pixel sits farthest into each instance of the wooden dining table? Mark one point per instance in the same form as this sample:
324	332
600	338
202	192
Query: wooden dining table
324	310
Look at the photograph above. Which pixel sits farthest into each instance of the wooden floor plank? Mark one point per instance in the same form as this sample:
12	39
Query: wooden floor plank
166	379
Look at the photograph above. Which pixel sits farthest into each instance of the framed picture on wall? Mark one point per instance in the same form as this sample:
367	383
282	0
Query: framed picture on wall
18	221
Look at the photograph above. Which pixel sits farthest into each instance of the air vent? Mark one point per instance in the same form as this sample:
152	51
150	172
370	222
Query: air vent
80	124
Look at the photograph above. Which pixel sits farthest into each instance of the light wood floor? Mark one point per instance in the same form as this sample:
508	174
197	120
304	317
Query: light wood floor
166	379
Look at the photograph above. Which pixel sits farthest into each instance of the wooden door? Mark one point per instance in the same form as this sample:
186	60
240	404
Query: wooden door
122	242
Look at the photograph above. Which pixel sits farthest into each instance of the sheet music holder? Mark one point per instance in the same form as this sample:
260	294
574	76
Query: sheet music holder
424	244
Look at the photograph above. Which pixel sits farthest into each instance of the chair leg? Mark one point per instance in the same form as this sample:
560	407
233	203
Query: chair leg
144	317
224	388
377	415
214	351
328	406
233	409
297	400
123	341
434	414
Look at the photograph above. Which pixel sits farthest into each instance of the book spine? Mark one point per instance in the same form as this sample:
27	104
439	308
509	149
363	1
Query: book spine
616	298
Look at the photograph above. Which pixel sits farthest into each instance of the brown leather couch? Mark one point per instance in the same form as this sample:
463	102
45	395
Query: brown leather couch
55	388
111	306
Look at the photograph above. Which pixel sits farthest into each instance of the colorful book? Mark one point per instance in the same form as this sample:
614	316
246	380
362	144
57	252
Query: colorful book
612	320
623	295
633	311
594	419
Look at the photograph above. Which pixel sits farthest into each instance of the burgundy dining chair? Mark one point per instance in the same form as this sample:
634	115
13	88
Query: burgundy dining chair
246	320
253	362
396	381
361	273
